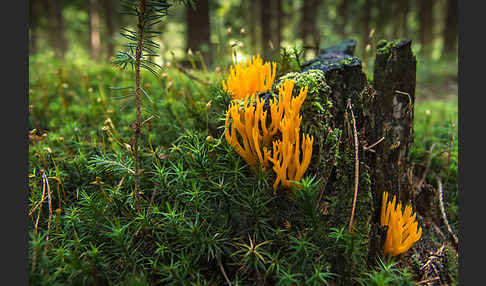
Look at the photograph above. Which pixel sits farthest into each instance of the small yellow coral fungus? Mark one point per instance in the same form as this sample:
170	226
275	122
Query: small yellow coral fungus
286	159
247	121
248	79
403	230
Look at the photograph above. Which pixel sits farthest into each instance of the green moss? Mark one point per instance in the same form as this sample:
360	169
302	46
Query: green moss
384	46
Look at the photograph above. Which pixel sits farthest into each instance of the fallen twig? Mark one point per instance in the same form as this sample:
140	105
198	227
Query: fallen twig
356	167
188	74
424	175
428	280
368	148
444	217
49	203
222	271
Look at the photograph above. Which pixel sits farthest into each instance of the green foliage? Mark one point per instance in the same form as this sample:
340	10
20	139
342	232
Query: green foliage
436	146
202	210
386	274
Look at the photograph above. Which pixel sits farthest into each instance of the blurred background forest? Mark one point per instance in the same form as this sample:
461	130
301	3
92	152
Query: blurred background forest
223	30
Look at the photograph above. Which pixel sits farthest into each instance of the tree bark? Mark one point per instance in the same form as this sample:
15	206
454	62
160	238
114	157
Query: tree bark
198	29
94	30
450	28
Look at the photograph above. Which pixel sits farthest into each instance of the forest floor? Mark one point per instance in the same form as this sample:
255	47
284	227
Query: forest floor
446	89
201	200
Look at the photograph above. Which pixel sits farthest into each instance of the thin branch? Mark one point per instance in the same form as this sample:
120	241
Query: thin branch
188	74
49	203
444	217
429	280
368	148
222	271
424	175
356	167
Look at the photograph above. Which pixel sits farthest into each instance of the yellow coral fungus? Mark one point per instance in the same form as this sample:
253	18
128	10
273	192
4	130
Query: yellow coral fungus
403	230
247	121
248	79
286	106
286	159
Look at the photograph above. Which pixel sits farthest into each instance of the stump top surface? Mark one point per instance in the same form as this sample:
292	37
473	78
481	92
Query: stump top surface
333	58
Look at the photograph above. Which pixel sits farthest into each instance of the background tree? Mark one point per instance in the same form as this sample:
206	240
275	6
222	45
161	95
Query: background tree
33	25
276	21
253	10
400	21
56	26
94	29
110	18
309	29
265	18
426	26
342	8
450	28
198	29
366	29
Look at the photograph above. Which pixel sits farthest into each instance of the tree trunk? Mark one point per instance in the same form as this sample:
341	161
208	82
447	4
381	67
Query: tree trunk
277	13
252	13
265	18
450	28
343	17
33	25
198	29
94	30
400	11
110	27
380	117
345	97
404	9
308	26
383	18
426	26
56	27
394	82
365	32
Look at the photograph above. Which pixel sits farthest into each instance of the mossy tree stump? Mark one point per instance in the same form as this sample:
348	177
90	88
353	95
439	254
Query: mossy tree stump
339	91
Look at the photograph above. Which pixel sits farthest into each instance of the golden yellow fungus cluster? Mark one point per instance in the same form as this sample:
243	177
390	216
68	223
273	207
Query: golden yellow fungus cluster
403	230
248	79
290	155
287	152
247	121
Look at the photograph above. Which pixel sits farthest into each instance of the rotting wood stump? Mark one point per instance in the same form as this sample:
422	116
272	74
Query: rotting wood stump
341	104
